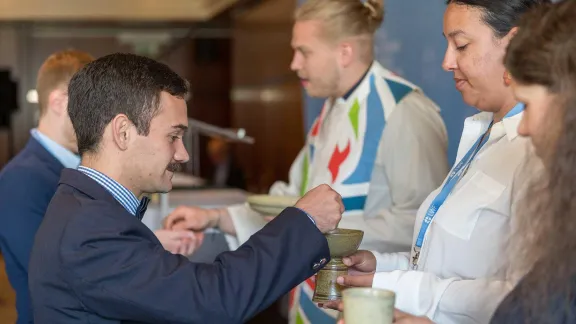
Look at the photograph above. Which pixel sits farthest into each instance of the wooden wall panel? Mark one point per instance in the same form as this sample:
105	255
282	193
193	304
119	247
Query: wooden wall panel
210	78
267	98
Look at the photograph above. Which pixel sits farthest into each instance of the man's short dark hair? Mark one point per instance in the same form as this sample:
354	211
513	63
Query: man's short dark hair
118	84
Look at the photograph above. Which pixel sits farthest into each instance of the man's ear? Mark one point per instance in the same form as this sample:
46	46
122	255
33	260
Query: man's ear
120	127
58	101
510	35
346	53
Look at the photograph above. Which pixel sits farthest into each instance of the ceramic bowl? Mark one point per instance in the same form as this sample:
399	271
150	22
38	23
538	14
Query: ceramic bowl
268	205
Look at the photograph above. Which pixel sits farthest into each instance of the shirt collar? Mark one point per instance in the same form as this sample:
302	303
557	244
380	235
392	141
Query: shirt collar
124	196
62	154
478	123
349	93
512	121
357	88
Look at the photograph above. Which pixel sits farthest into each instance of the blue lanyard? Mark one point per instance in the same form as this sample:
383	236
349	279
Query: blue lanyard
453	178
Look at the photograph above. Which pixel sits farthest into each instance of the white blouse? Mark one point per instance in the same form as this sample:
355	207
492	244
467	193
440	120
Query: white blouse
462	273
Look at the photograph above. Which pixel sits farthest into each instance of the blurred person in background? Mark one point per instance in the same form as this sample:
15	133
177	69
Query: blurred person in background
30	179
226	172
379	141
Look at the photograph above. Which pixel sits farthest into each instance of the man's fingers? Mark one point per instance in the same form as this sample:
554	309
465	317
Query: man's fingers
191	247
176	216
399	314
361	261
179	226
199	238
352	260
336	305
356	281
174	247
171	220
183	242
183	248
182	234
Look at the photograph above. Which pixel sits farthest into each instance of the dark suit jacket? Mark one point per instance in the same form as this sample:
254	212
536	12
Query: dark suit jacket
27	183
93	262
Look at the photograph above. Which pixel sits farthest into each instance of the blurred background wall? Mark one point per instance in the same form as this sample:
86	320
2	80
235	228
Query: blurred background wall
236	59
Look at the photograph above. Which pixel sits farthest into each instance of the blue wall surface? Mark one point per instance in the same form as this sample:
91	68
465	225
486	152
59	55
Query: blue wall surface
411	44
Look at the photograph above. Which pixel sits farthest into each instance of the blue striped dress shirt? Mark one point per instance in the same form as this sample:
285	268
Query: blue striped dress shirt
124	196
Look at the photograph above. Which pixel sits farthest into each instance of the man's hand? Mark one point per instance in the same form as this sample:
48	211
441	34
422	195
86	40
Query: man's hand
324	205
404	318
349	281
180	242
192	218
356	281
360	263
335	305
361	268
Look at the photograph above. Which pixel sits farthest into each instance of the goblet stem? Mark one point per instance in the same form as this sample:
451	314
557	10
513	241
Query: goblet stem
326	287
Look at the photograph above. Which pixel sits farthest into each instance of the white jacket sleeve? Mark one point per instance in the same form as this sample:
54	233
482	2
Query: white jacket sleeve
247	222
455	300
411	163
391	261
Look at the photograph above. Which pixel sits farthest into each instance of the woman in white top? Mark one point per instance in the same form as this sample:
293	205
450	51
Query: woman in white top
457	271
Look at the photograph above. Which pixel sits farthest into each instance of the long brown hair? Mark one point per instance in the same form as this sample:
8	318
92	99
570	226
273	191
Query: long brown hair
544	53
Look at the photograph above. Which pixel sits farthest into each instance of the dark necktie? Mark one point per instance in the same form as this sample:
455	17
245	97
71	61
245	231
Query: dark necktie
142	207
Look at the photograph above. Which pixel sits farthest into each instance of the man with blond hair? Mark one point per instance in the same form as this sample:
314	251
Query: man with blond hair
379	141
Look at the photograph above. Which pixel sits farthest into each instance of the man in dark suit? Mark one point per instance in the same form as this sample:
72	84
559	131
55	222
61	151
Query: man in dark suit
29	181
93	261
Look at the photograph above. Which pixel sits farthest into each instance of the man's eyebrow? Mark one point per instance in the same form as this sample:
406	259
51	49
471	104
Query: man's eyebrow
181	127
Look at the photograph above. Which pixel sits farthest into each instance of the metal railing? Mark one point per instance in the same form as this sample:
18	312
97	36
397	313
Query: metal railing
192	144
